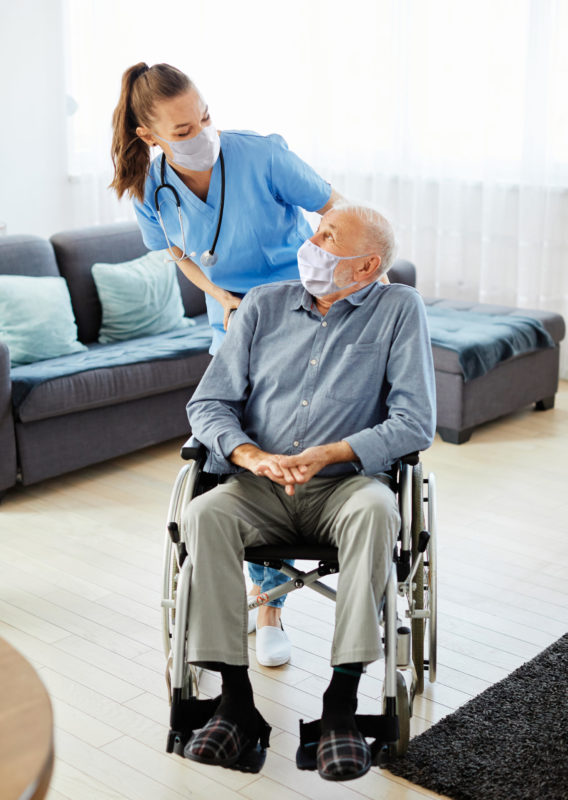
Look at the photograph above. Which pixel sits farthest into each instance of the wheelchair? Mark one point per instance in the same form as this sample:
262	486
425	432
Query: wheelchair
408	615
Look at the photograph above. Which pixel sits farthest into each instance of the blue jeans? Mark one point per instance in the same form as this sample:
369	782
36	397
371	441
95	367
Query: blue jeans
267	579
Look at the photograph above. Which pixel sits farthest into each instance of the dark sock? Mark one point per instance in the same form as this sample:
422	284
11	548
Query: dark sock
237	702
340	698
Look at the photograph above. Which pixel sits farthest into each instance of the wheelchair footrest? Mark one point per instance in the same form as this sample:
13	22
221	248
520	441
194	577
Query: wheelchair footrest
190	714
383	729
185	717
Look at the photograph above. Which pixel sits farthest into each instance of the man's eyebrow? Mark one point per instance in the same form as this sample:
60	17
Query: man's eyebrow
335	229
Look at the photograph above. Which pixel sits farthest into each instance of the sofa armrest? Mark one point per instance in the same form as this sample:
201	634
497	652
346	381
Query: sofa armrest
403	271
8	462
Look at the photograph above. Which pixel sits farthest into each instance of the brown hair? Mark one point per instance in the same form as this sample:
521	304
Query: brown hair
141	87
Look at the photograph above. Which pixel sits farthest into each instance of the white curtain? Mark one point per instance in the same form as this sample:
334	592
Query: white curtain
449	115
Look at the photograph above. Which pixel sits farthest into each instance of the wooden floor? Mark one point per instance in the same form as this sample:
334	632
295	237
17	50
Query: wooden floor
80	567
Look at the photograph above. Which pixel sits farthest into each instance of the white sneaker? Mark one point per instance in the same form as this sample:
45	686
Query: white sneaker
273	647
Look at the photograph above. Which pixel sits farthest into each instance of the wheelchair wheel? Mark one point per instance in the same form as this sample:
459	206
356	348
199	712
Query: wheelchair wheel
417	525
183	491
432	580
182	487
403	713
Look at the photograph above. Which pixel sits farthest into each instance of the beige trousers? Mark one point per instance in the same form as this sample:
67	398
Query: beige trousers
358	515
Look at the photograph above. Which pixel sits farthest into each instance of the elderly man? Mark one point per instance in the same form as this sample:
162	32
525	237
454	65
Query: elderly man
319	387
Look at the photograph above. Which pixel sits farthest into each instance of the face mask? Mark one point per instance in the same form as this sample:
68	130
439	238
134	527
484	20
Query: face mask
199	153
317	269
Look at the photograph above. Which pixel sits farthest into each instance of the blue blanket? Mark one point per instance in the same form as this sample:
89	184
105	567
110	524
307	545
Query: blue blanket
173	344
484	340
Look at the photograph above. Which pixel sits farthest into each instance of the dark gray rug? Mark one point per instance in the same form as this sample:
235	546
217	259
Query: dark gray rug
509	743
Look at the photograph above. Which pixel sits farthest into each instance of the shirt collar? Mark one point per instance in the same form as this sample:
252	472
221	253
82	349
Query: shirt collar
304	299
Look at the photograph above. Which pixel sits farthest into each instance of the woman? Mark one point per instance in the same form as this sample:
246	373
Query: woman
239	195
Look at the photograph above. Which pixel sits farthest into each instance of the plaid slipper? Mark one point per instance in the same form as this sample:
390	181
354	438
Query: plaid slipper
343	755
220	742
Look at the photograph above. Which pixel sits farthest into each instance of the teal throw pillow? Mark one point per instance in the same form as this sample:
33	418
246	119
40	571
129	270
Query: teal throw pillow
139	298
36	318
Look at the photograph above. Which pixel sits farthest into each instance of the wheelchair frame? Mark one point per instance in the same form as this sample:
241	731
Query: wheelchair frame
413	580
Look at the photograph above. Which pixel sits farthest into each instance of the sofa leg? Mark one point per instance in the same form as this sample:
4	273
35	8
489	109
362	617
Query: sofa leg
545	404
452	436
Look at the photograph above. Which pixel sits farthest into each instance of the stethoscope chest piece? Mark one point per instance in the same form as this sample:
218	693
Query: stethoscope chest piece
209	257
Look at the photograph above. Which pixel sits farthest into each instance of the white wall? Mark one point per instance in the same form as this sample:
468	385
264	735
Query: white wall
35	195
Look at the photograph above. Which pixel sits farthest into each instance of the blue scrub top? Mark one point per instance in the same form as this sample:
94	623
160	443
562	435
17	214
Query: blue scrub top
263	227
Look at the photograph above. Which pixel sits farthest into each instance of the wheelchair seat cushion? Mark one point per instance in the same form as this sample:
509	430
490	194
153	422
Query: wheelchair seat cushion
343	756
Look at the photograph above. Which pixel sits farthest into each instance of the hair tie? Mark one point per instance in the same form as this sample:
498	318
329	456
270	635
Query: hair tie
143	70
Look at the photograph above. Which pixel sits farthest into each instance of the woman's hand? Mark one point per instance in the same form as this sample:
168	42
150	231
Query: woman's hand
229	303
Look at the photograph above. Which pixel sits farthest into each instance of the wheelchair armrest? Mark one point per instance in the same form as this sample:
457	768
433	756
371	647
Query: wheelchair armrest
192	450
411	458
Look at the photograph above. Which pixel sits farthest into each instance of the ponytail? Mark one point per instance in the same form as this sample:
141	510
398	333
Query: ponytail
141	87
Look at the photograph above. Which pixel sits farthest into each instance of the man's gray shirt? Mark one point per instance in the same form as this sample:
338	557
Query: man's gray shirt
287	378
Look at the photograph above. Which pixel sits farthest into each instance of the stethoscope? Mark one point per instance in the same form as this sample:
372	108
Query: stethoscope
208	257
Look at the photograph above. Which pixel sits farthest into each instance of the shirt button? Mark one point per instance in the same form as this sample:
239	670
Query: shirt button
304	402
324	324
313	362
296	444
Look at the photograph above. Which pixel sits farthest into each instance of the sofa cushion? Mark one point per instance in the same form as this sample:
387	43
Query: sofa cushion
138	298
448	360
36	319
27	255
112	373
106	387
78	250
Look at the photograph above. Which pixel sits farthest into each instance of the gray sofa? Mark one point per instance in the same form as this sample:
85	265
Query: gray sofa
530	377
80	419
77	420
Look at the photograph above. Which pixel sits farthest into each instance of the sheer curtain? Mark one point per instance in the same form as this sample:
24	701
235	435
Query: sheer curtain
449	115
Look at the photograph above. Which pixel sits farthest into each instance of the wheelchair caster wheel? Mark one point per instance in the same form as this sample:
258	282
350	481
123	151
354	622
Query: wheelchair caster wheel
399	748
175	743
382	758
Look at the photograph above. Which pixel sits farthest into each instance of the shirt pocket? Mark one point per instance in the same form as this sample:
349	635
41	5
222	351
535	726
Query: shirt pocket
358	372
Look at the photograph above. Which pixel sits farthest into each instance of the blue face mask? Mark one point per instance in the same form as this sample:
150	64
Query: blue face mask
317	269
199	153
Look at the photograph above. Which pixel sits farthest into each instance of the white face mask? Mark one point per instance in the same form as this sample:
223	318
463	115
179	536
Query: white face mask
317	269
199	153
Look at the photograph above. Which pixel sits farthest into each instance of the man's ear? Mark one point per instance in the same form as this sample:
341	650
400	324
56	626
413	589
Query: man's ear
146	136
368	267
